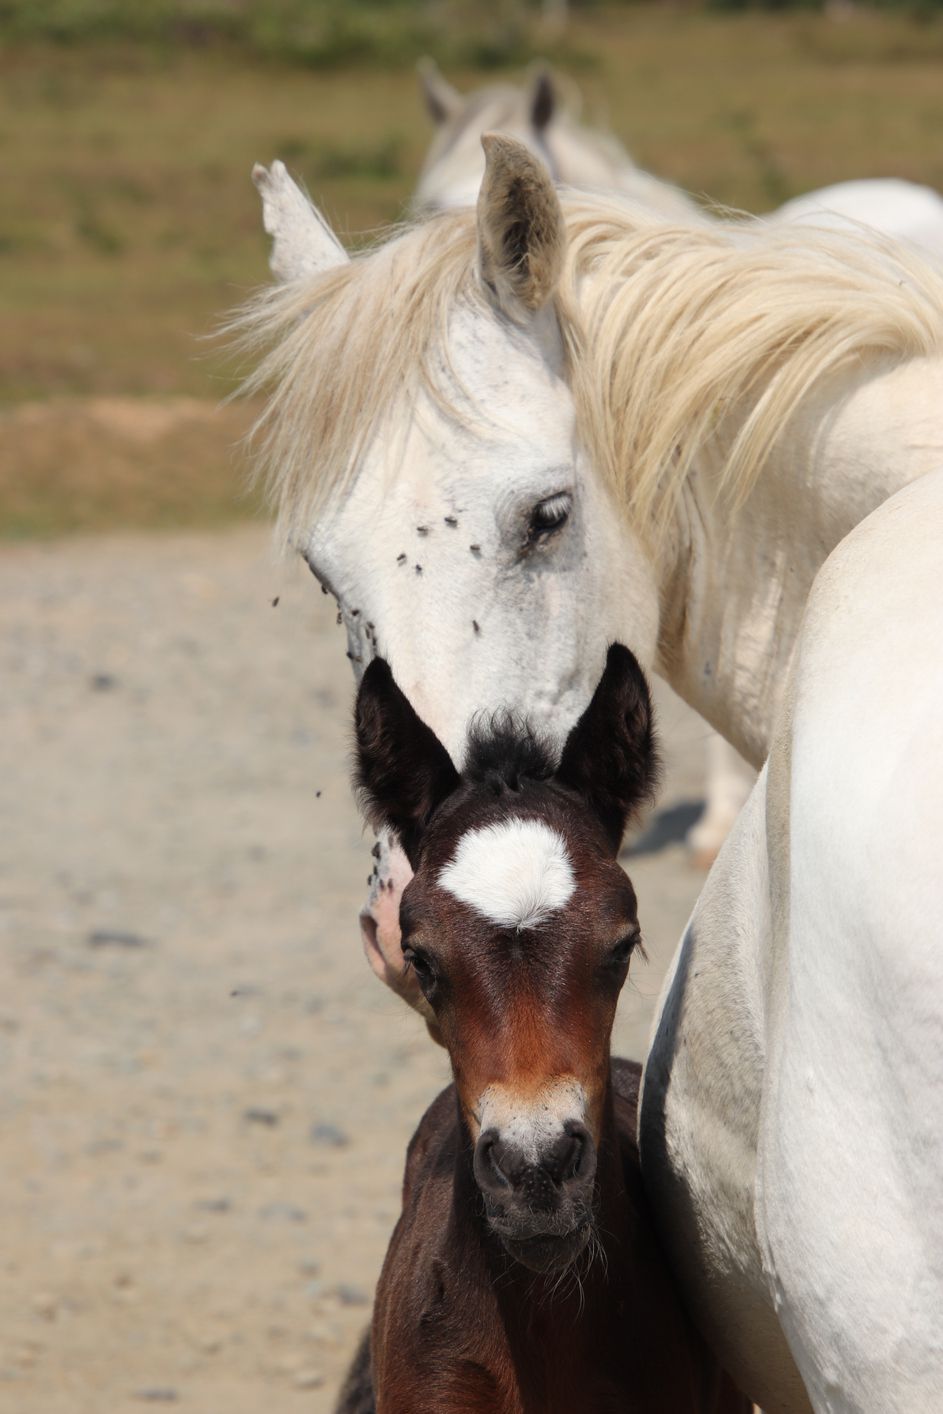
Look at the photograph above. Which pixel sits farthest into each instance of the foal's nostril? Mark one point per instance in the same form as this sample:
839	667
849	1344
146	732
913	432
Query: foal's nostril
502	1172
489	1175
573	1158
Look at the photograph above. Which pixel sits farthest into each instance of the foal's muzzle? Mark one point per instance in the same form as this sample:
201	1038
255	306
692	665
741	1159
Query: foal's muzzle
541	1208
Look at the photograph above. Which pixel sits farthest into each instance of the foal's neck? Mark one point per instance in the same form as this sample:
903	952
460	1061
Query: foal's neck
735	585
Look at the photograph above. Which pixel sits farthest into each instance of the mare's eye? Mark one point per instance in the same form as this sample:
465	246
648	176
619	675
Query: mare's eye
620	954
422	966
549	515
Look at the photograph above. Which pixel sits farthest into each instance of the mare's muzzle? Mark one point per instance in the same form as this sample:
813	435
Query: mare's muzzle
541	1207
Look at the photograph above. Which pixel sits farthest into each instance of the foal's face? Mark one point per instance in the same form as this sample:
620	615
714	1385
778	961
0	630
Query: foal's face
519	925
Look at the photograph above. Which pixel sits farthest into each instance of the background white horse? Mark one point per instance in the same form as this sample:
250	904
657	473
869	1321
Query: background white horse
538	115
625	427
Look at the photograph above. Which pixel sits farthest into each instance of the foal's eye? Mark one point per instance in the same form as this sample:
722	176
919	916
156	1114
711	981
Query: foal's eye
549	515
419	962
620	954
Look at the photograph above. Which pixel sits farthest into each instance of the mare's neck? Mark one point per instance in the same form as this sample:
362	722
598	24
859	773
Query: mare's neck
734	586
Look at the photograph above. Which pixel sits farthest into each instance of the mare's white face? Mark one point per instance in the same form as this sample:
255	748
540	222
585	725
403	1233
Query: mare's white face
481	557
484	561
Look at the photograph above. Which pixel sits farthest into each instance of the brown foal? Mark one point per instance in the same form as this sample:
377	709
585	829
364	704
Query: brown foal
524	1275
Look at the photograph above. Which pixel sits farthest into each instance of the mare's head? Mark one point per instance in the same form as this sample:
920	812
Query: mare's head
518	924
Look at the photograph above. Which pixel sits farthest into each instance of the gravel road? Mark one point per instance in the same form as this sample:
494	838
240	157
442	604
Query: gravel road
206	1096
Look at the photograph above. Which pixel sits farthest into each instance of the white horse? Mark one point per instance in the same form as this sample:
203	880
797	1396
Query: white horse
582	157
503	442
574	155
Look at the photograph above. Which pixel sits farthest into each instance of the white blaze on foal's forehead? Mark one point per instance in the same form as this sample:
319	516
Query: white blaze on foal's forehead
513	873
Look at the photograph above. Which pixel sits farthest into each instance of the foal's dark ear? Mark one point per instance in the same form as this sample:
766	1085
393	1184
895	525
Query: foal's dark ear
611	755
403	771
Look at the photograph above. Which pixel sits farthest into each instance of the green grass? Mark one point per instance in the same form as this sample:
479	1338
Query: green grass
129	224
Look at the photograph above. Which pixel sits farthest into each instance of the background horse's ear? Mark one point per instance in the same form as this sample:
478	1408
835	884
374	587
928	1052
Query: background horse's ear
542	100
303	244
442	100
521	234
611	755
403	771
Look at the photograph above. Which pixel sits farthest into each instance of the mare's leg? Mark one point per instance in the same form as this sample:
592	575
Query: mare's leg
356	1396
728	782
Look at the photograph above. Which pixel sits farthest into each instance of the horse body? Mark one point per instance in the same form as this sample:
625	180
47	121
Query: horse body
903	210
791	1124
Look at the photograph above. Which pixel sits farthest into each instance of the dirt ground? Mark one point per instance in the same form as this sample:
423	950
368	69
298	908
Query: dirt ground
206	1095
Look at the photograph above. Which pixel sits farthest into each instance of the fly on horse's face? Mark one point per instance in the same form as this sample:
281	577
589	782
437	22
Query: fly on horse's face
519	925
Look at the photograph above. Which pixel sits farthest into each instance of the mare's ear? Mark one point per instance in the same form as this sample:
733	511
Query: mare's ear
403	771
521	234
611	755
542	99
442	100
303	244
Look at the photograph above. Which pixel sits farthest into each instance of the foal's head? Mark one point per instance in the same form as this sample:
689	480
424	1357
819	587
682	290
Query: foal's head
519	924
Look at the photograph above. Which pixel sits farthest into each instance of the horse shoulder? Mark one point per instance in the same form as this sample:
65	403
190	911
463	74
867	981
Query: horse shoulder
851	1145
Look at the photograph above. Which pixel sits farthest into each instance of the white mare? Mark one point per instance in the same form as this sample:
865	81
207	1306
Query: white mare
658	433
585	158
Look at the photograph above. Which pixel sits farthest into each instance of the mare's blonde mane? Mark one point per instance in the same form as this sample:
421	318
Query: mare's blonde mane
672	332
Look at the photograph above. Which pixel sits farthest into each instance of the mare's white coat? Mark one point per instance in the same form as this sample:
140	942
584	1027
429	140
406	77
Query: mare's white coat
792	1113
